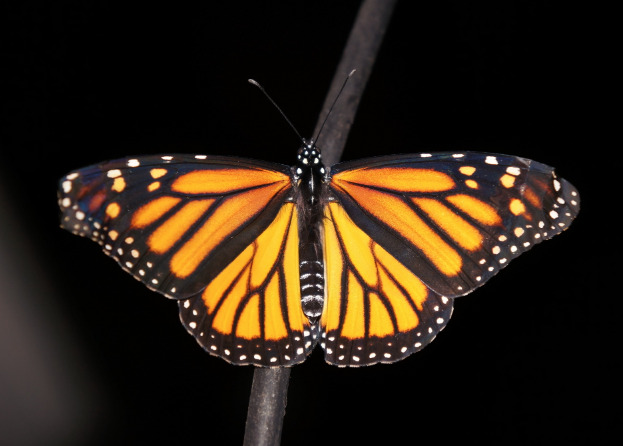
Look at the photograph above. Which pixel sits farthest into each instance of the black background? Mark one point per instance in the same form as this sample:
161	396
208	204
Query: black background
90	356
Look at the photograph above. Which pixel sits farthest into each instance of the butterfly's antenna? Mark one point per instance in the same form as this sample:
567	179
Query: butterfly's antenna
333	104
256	83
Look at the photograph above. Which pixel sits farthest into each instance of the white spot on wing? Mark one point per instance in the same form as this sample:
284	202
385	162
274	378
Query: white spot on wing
557	185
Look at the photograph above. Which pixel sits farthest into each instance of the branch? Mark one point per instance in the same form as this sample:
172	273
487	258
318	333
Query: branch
267	406
360	53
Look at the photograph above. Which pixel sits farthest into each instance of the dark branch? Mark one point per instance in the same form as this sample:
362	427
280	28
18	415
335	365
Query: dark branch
267	406
360	53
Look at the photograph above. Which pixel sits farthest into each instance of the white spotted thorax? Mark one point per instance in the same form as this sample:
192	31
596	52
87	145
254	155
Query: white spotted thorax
309	156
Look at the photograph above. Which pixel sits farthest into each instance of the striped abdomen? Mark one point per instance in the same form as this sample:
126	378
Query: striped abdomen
312	288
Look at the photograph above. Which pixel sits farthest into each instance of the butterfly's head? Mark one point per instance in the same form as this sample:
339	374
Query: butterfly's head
309	159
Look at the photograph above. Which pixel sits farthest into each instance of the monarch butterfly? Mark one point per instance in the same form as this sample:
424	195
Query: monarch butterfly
365	258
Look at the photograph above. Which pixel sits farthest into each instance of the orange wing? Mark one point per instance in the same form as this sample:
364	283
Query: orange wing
375	309
405	234
220	234
173	222
455	219
251	312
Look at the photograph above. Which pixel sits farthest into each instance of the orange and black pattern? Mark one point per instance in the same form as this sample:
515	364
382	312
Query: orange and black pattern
399	238
376	310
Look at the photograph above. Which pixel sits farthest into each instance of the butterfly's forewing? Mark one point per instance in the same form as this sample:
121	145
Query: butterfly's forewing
173	222
217	232
454	219
376	310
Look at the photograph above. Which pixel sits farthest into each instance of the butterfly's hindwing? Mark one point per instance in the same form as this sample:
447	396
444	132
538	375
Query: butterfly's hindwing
376	310
251	312
455	219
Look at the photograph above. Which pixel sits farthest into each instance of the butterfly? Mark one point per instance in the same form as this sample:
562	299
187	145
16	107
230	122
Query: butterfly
364	258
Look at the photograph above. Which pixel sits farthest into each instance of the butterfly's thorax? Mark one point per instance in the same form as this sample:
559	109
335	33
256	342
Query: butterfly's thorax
309	172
